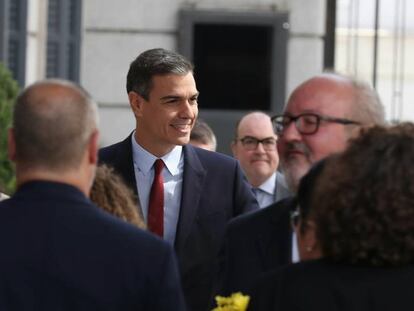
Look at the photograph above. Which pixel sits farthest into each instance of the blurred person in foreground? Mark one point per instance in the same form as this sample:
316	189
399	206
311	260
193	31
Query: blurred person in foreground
110	193
255	146
360	224
203	136
320	117
59	251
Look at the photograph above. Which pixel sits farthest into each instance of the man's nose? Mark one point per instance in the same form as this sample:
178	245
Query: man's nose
187	109
290	133
260	147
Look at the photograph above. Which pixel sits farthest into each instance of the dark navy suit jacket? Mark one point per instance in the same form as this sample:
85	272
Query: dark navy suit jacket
214	191
60	252
322	286
255	243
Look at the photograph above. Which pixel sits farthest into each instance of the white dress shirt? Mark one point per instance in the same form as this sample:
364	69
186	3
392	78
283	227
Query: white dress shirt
265	193
173	182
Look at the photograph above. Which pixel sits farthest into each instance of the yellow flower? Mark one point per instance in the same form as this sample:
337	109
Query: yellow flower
236	302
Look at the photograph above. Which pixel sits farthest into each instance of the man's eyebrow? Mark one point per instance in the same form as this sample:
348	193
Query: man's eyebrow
170	97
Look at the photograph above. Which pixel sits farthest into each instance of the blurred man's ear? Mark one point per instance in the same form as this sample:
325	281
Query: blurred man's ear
136	102
93	147
11	145
233	146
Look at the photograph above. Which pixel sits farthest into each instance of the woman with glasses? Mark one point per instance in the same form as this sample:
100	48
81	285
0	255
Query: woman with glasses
360	223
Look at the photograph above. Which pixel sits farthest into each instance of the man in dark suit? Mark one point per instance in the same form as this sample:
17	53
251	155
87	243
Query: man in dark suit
321	115
200	190
58	250
254	145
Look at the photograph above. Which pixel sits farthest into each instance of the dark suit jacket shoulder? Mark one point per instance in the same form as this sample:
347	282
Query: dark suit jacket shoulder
255	243
119	156
320	285
60	252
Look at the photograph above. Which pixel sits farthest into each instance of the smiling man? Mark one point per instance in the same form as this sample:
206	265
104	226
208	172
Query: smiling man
255	146
187	194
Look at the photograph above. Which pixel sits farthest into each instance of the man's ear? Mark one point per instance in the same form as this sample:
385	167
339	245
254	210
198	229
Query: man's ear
233	148
310	240
136	102
93	147
11	144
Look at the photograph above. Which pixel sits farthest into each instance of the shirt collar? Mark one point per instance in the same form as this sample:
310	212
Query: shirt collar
147	159
269	185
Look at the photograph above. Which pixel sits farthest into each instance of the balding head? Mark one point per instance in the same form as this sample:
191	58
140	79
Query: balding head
350	102
356	98
52	124
259	162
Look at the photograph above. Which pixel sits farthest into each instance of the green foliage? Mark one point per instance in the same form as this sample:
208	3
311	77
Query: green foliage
9	90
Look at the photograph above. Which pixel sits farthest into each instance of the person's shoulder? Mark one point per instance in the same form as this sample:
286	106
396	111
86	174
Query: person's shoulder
207	156
110	150
263	215
120	230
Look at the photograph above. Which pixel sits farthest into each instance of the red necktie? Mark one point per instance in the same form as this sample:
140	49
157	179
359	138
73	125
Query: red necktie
156	202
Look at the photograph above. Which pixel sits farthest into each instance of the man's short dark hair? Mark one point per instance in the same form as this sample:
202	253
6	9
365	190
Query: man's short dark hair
154	62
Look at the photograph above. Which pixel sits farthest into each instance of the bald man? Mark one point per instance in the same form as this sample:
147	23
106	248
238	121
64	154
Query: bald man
58	250
321	115
255	146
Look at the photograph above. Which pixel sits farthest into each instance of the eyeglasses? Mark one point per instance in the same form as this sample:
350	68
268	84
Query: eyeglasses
294	217
306	123
250	143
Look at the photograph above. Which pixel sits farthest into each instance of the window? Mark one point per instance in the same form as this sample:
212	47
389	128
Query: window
63	40
13	19
240	58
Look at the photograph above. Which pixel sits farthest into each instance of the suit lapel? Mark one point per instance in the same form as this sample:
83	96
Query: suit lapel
193	180
281	188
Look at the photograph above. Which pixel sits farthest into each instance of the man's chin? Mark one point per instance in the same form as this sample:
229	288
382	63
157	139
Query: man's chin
181	141
293	174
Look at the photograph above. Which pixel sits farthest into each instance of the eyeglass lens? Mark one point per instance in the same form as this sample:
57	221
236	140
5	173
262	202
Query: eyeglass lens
251	143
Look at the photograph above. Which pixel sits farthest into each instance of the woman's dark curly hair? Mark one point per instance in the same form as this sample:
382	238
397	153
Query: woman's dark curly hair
363	204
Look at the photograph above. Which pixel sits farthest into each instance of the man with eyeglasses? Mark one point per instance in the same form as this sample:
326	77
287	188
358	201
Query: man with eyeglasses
321	115
254	146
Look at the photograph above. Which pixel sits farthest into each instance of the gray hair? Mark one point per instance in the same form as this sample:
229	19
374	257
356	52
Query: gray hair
367	105
154	62
203	133
53	121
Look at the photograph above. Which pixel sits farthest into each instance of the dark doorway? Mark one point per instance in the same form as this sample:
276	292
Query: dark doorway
233	74
240	64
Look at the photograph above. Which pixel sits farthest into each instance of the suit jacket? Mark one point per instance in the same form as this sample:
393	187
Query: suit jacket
214	191
320	285
60	252
282	190
255	243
